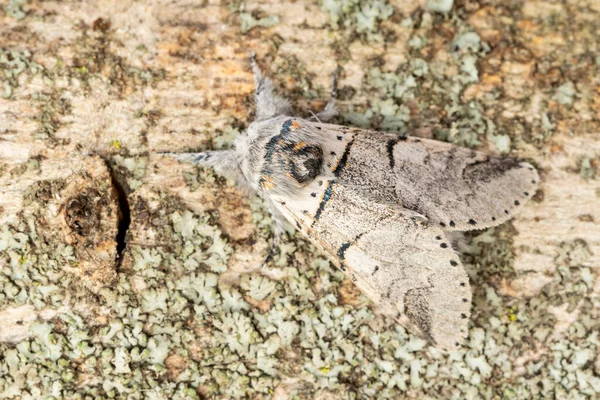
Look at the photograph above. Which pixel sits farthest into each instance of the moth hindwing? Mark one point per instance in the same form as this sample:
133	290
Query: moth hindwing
382	206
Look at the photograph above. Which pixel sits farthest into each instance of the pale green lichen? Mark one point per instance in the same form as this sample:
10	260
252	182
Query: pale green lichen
361	16
53	108
589	168
223	138
13	63
249	22
135	168
442	6
169	302
258	287
15	10
393	92
565	94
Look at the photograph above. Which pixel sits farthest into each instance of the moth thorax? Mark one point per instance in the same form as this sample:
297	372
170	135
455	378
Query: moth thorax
304	162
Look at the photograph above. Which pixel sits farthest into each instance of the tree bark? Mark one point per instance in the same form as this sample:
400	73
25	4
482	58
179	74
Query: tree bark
88	209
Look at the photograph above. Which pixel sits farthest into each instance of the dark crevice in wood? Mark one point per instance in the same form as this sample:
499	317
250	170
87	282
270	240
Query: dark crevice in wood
124	215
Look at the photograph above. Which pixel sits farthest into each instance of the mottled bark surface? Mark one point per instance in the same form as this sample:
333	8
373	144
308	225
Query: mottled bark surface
124	274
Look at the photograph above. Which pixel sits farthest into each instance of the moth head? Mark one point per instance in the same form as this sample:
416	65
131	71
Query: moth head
275	156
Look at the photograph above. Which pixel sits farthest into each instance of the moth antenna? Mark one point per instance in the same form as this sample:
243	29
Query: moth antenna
268	104
330	111
256	71
192	158
272	250
315	117
223	161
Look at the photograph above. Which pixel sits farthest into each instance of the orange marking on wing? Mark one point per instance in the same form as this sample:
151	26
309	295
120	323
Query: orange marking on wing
300	145
296	125
267	183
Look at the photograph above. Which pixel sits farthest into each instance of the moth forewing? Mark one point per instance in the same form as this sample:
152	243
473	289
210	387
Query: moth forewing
458	188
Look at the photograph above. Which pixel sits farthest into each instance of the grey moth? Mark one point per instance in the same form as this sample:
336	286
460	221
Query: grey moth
382	206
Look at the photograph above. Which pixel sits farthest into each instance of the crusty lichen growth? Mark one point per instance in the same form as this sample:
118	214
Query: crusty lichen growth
238	341
183	320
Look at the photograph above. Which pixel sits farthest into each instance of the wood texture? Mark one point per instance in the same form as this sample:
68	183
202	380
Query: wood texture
93	89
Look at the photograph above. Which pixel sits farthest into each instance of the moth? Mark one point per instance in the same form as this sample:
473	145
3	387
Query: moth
381	205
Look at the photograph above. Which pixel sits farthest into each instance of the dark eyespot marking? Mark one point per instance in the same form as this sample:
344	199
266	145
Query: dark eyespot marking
438	238
343	267
465	301
298	225
463	316
505	211
318	127
443	245
493	218
339	138
453	263
443	225
457	344
283	203
533	181
304	212
313	194
417	140
526	193
463	284
472	222
320	183
517	202
452	224
375	269
530	168
333	153
306	163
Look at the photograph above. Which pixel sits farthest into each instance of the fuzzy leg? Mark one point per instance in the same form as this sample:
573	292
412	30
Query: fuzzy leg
192	158
268	104
279	229
223	161
330	110
274	247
